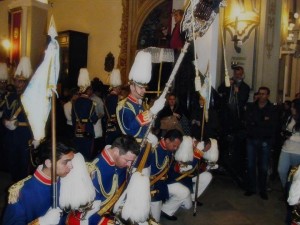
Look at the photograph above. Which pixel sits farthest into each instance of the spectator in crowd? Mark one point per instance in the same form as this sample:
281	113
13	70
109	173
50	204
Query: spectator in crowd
290	153
261	119
169	117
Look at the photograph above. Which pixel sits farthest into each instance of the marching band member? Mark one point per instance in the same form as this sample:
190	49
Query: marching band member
111	102
84	116
183	172
132	118
18	132
158	162
3	93
109	175
30	199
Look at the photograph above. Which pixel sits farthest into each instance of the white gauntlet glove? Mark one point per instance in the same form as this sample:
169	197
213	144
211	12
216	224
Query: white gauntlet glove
95	208
35	143
197	83
185	168
10	124
158	105
151	138
51	217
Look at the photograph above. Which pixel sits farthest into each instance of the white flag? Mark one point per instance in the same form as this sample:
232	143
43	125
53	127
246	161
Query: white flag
36	98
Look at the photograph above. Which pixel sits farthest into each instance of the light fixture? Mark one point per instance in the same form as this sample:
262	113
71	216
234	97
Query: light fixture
6	44
240	23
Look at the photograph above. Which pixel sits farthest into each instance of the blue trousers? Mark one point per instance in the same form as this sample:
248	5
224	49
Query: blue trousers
258	158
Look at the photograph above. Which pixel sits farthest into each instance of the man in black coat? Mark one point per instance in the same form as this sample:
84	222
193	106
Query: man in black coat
261	121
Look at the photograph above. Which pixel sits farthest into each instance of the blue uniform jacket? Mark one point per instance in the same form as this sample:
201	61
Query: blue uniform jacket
35	198
11	105
158	160
132	118
174	174
84	110
107	179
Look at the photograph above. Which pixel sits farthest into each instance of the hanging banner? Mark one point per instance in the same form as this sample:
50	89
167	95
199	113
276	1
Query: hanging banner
15	35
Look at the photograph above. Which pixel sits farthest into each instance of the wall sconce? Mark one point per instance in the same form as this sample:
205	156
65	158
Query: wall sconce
6	44
240	23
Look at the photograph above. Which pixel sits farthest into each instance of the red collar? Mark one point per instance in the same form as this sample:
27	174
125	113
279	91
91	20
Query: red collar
43	178
108	158
133	99
163	144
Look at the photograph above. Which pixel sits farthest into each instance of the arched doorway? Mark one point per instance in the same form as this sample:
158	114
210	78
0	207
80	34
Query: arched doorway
134	15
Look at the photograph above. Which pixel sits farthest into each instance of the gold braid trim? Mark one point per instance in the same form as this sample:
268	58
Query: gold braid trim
35	222
292	173
186	174
13	105
105	208
120	106
14	190
154	179
114	187
91	166
144	158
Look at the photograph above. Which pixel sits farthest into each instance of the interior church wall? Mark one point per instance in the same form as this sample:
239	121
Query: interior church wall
101	19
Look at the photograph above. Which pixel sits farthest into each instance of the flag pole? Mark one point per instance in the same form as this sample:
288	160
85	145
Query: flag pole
53	132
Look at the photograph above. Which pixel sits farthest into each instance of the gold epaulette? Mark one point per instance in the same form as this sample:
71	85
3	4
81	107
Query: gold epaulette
292	173
91	166
122	102
14	190
35	222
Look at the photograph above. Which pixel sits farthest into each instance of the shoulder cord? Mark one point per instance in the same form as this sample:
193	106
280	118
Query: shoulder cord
77	118
107	195
131	108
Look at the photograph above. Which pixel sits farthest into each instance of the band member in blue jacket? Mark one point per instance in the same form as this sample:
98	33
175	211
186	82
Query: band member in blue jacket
84	116
111	102
18	133
30	199
109	176
133	119
190	159
158	163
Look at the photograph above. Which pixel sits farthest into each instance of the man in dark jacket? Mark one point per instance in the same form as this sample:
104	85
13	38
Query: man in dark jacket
261	119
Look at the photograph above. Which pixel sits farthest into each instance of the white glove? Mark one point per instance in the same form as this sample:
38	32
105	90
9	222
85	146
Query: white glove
197	83
185	168
95	208
151	138
10	124
51	217
158	105
212	167
35	143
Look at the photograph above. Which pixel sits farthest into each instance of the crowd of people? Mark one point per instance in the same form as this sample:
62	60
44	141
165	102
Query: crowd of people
120	160
170	160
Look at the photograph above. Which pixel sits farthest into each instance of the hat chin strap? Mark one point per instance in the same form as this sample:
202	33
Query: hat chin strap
142	96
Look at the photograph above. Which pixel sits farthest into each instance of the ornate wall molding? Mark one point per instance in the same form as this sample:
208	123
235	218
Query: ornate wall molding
134	15
270	25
